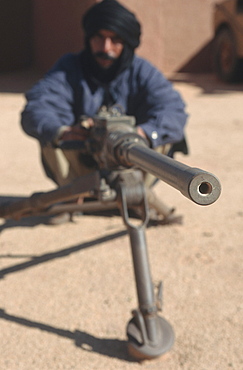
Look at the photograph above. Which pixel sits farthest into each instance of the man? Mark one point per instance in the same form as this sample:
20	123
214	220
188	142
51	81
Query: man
105	73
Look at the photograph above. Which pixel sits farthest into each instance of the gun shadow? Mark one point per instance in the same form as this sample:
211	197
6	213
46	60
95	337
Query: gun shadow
114	348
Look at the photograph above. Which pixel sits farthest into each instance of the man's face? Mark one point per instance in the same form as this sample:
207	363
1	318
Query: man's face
106	46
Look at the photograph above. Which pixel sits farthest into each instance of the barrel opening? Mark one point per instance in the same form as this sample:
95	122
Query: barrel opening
205	188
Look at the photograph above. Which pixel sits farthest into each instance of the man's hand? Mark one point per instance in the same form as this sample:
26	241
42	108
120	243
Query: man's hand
79	132
74	133
141	132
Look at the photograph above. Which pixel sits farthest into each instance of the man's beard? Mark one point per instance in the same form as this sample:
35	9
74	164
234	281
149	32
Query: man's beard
105	56
103	75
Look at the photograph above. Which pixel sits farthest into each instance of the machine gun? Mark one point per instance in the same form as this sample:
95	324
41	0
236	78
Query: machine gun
122	158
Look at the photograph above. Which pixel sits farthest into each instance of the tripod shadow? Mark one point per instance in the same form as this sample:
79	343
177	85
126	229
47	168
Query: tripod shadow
114	348
25	222
36	260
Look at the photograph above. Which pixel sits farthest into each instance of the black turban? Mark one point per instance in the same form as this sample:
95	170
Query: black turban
112	16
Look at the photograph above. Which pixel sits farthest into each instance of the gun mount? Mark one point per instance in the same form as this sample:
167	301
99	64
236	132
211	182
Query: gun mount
122	157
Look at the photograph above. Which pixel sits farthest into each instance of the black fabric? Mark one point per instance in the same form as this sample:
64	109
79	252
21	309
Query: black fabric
181	146
111	15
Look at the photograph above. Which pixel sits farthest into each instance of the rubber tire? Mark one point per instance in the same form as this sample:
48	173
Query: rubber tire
227	65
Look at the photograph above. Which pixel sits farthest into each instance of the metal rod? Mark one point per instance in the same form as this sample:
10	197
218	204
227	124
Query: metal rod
143	278
145	290
141	267
199	186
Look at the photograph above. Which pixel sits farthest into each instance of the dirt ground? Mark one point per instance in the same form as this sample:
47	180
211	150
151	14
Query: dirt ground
67	291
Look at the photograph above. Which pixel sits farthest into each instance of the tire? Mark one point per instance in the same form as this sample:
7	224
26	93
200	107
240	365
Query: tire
227	65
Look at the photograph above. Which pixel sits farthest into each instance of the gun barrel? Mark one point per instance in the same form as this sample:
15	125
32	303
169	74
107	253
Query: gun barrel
199	186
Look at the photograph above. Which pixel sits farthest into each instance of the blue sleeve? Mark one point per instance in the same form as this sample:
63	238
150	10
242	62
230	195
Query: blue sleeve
49	105
159	108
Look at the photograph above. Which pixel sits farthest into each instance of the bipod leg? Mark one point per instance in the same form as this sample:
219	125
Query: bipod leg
149	335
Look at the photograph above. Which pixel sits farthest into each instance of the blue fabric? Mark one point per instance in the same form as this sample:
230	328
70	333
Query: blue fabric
63	95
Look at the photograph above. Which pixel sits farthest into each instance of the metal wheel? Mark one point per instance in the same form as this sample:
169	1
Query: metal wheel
139	345
226	62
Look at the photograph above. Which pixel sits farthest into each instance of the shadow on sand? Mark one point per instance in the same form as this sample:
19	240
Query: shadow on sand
37	260
208	83
114	348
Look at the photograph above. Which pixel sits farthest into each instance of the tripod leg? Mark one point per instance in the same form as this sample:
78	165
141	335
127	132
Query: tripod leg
149	335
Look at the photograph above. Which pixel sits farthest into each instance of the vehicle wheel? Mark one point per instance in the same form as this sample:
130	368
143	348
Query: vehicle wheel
226	63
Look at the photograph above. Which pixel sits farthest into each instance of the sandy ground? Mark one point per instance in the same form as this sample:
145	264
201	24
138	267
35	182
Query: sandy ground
67	292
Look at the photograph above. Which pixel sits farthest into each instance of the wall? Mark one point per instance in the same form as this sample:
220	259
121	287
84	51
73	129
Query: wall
15	34
189	30
151	15
57	29
176	33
